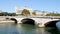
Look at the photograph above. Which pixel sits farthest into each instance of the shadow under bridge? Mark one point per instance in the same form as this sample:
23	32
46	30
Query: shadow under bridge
28	21
51	23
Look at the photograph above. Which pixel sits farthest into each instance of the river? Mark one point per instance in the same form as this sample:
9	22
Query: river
27	29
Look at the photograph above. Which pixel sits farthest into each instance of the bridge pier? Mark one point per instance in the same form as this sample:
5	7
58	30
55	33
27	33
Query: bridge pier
40	25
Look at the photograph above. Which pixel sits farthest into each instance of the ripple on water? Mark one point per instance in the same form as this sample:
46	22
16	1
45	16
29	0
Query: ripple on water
25	29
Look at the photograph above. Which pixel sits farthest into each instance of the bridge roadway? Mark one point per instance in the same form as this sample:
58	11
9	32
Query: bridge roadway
40	21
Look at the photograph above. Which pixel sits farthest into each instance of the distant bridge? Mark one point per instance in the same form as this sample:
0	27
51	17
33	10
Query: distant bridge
40	21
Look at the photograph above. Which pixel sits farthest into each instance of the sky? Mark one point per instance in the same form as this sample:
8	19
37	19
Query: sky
43	5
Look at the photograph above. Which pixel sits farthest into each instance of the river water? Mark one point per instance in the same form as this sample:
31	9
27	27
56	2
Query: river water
27	29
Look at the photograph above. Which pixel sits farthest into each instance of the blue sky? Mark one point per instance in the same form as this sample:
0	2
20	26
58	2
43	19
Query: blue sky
44	5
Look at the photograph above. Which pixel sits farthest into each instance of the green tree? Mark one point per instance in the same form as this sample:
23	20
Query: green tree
34	13
25	12
53	14
12	14
7	14
3	14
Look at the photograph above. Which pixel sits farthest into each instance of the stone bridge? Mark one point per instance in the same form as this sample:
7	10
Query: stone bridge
40	21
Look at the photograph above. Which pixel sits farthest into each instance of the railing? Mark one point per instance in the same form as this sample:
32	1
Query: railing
57	17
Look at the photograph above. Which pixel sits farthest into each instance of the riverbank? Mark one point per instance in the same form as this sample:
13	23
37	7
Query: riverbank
4	20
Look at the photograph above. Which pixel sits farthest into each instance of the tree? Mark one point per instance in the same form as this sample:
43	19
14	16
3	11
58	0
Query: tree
7	14
34	13
3	14
12	14
25	12
53	14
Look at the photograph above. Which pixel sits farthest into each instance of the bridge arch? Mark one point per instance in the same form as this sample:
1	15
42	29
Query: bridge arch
51	23
28	21
14	20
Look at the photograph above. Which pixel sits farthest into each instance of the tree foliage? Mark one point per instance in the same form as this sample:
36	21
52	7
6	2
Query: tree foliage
25	12
7	14
34	13
53	14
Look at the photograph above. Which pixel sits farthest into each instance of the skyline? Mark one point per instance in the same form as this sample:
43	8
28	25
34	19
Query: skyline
43	5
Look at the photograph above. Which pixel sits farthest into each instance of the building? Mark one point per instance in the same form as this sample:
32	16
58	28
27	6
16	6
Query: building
19	11
38	13
1	11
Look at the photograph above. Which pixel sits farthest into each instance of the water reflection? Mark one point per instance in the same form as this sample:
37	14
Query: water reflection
34	30
26	29
53	30
41	31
